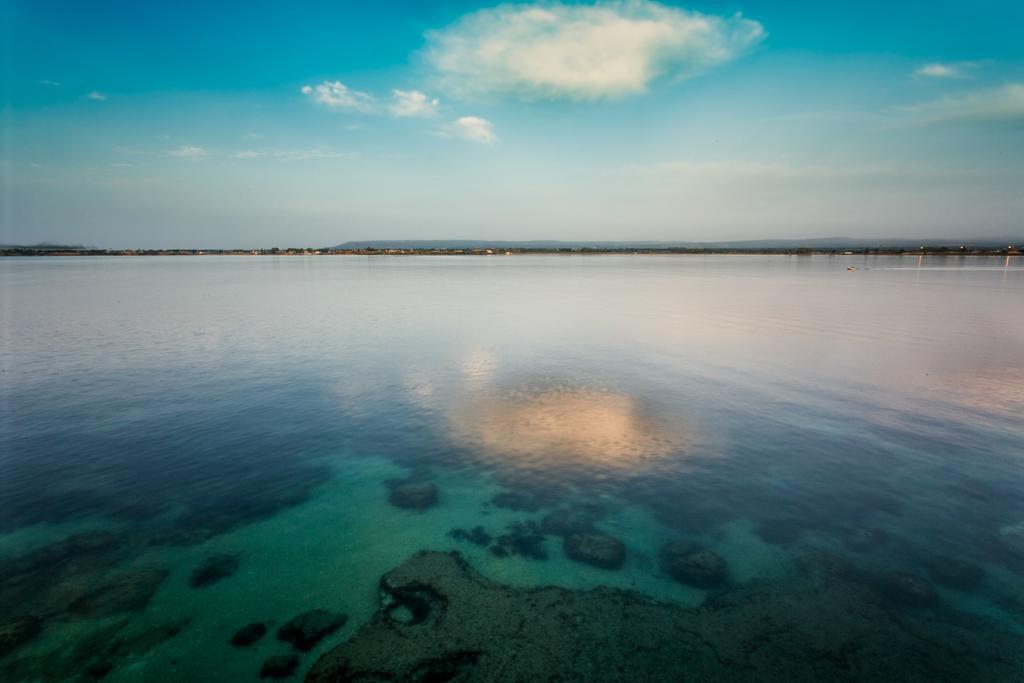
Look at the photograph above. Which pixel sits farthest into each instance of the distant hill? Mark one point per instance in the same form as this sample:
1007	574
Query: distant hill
813	243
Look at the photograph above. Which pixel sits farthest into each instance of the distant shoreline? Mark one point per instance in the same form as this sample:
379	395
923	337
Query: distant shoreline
29	252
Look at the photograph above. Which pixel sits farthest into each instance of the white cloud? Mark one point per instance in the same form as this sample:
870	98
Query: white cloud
96	95
188	152
586	52
336	94
946	70
938	71
54	84
412	103
1004	104
473	128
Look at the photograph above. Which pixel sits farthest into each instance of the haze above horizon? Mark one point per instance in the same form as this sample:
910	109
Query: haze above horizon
159	125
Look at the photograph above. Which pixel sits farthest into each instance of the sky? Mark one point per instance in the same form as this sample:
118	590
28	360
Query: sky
260	124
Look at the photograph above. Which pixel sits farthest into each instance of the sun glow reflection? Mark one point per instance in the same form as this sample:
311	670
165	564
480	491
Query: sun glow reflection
565	427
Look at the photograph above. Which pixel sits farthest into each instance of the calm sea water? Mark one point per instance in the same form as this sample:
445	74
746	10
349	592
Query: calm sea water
769	409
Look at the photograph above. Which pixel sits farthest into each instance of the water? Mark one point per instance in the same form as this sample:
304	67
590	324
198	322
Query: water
781	412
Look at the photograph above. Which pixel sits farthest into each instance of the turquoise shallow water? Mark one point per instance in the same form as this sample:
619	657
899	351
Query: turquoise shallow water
766	409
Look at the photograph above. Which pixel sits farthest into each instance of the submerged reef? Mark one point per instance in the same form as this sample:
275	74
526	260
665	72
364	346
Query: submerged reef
521	538
597	549
692	564
249	634
125	592
442	621
279	666
95	655
309	628
477	536
213	569
17	631
576	519
413	495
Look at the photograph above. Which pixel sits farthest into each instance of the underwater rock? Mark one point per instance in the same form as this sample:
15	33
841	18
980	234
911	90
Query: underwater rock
212	570
414	604
571	520
477	535
864	538
414	495
523	539
956	574
597	549
247	635
690	563
279	666
909	589
16	631
307	629
469	628
125	592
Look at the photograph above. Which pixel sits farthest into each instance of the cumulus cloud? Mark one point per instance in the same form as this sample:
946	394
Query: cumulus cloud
1002	105
608	50
412	103
945	70
337	95
96	95
472	128
188	152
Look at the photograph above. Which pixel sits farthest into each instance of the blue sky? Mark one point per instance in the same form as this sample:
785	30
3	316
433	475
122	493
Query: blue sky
129	124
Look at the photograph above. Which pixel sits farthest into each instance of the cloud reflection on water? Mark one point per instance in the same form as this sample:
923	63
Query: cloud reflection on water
564	427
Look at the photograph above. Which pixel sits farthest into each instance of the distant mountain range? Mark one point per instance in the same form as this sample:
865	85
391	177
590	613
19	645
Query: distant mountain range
814	243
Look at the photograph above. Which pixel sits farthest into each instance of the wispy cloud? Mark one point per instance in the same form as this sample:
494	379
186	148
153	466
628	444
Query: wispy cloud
188	152
1002	105
96	95
294	154
940	70
336	94
586	52
472	128
405	103
53	84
